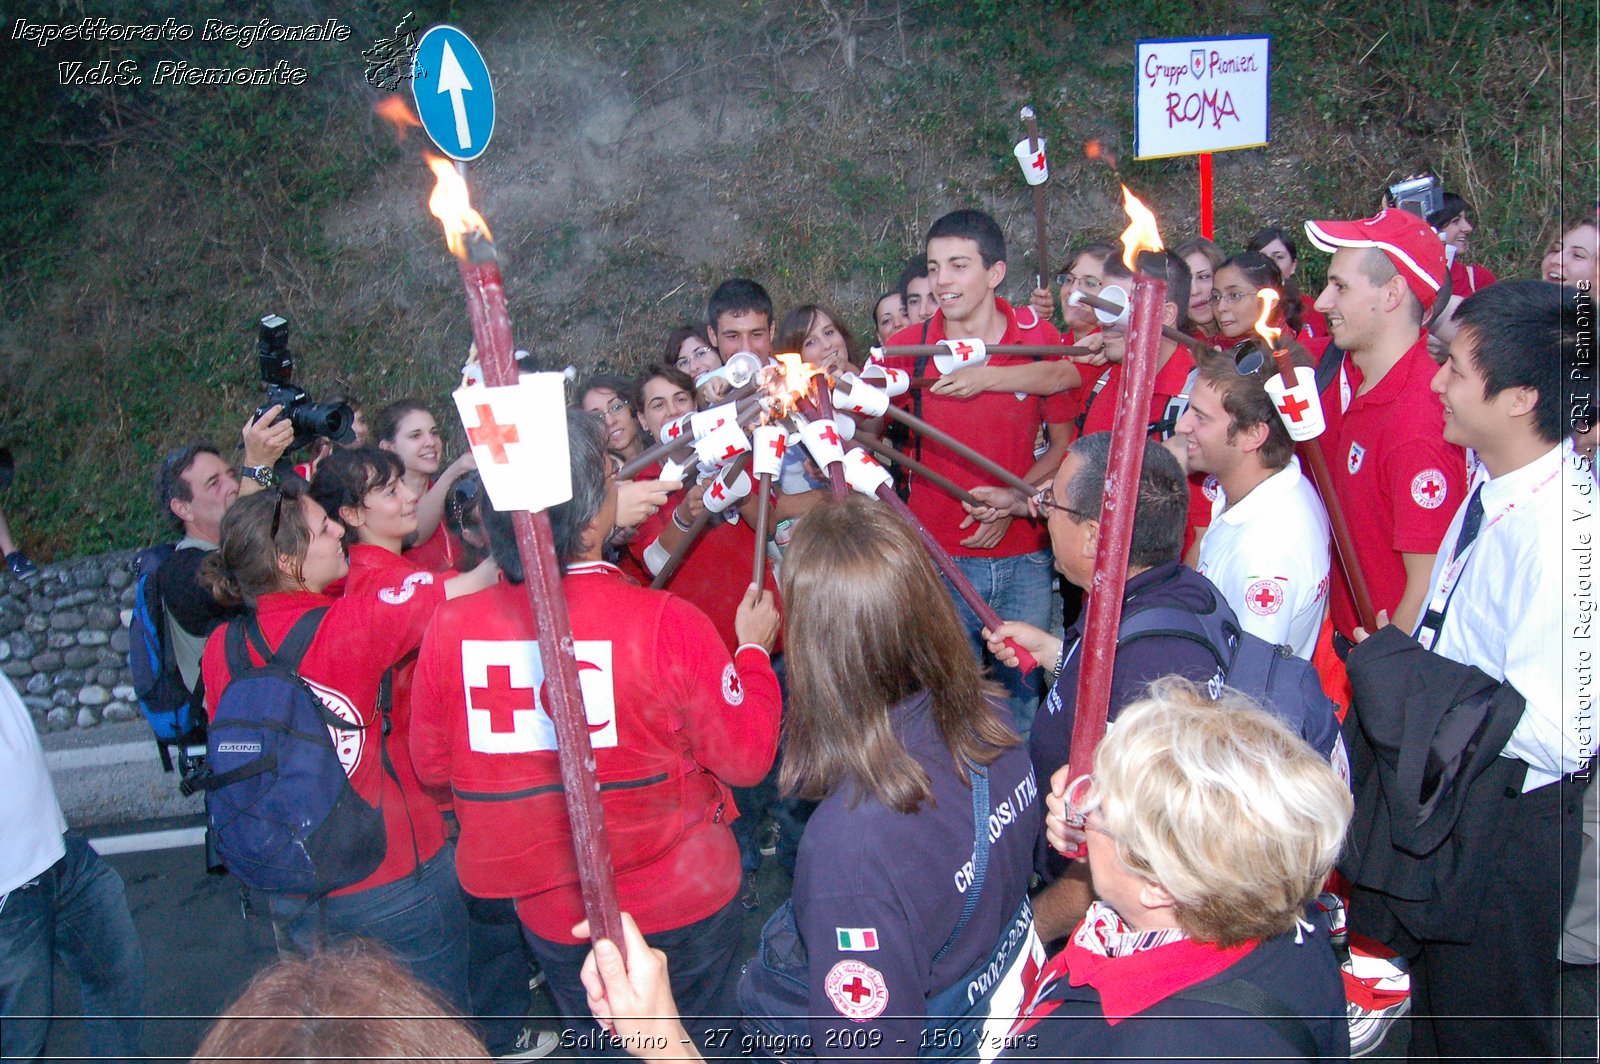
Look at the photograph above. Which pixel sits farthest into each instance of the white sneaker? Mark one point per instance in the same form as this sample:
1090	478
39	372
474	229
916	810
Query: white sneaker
532	1045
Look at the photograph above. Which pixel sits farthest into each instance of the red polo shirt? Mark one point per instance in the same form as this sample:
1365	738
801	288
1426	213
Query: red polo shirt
1002	426
1398	480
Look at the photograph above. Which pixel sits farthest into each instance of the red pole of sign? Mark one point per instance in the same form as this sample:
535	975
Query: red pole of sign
1205	195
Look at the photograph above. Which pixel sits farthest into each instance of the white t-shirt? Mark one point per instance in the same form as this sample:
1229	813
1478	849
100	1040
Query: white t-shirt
1268	555
1522	607
28	805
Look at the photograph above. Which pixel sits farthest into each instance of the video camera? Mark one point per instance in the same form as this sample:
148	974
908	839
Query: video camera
310	420
1422	196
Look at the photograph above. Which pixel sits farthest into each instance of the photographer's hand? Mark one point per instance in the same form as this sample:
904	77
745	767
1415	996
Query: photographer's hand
265	439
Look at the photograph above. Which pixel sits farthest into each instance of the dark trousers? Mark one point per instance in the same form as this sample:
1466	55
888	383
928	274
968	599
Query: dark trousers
701	965
1497	995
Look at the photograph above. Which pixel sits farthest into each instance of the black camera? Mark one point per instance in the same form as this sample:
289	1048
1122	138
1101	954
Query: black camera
310	420
1422	196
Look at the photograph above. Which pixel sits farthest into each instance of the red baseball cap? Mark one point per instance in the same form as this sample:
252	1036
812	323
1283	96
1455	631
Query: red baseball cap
1411	244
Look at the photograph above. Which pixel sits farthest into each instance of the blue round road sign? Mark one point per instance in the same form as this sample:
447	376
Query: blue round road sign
455	101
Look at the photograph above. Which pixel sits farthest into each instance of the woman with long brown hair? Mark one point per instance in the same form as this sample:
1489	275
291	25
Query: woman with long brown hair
917	859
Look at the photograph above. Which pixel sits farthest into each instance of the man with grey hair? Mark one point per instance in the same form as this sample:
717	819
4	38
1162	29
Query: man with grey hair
1156	577
674	722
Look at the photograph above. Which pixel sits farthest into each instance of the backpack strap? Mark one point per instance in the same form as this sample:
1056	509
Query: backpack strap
1252	1000
1328	366
1174	623
980	853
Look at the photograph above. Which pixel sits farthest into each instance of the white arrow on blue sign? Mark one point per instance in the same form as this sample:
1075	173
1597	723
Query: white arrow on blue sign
455	100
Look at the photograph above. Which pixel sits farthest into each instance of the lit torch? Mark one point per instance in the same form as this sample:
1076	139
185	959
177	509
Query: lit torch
471	244
1124	467
1294	394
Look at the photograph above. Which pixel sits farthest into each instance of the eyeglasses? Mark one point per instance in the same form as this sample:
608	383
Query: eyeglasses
699	352
1066	280
616	406
1046	500
1230	298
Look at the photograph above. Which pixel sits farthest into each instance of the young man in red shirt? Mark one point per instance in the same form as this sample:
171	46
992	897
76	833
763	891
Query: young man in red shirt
674	720
997	408
1397	479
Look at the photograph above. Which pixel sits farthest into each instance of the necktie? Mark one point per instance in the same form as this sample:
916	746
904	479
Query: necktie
1470	522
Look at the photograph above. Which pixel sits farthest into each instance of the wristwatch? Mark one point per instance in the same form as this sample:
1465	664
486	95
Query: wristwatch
264	475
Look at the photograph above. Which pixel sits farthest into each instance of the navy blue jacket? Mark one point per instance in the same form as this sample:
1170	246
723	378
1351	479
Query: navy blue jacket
1303	975
1171	584
903	877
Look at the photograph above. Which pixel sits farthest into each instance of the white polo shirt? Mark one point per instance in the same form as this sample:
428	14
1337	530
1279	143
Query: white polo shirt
1268	555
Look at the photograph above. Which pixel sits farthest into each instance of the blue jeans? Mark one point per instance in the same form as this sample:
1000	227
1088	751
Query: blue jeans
701	966
75	909
421	919
1018	589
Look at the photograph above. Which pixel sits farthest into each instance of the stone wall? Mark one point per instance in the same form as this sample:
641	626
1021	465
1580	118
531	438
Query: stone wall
64	641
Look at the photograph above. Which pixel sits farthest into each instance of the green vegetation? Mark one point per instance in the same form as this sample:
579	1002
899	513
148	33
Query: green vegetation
643	152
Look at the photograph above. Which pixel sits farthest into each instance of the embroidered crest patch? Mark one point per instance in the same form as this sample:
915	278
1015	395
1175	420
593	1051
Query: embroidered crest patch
1353	460
1264	597
1428	489
732	687
857	990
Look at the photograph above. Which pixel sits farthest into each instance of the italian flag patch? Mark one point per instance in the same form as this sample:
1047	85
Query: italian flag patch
857	939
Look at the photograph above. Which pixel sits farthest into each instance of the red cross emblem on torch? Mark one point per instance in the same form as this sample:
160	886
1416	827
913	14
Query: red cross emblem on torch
963	349
779	444
1038	161
492	434
830	434
1293	407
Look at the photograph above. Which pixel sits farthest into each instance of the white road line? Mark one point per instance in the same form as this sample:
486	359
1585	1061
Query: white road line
100	756
171	839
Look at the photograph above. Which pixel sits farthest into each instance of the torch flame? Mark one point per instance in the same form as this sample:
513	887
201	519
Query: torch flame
1269	302
392	110
1141	234
449	203
787	386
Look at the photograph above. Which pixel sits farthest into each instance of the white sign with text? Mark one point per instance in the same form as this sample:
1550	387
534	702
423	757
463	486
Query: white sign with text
1202	94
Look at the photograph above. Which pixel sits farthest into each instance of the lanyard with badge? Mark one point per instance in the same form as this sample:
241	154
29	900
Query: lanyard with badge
1432	622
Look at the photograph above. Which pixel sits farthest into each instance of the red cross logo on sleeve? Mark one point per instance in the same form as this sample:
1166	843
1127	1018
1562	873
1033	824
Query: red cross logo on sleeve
501	699
1265	597
1293	407
1431	488
1038	161
735	688
830	434
492	434
963	348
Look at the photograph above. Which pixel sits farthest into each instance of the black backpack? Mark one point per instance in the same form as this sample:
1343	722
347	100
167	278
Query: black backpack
176	714
280	807
1270	673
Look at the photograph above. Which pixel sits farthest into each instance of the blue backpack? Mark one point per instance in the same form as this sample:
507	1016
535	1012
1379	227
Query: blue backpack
1285	685
176	714
278	802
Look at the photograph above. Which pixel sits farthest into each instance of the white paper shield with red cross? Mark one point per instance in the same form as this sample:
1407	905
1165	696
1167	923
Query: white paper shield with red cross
507	702
1298	408
519	437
